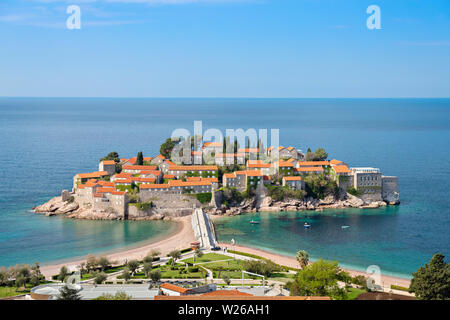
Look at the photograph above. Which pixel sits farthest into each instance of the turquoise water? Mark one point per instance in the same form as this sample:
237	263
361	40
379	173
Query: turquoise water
44	142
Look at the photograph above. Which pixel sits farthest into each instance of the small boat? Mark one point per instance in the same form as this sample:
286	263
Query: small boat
307	225
345	227
254	222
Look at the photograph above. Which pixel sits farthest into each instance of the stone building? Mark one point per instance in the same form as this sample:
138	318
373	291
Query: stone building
107	165
390	189
295	182
368	182
200	171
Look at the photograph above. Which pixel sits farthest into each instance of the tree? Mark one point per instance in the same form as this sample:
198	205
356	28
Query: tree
91	262
21	281
100	277
198	253
302	258
104	263
140	159
318	155
147	269
148	258
432	281
175	254
319	186
68	293
166	148
120	295
155	275
36	274
155	253
262	267
318	279
126	275
132	266
63	273
112	156
4	276
226	279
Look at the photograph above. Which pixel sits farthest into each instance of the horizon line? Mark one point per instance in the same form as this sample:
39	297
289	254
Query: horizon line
206	97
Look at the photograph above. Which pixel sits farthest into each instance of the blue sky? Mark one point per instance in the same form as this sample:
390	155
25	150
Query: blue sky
225	48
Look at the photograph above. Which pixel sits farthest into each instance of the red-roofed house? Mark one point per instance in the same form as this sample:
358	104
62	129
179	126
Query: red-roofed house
294	182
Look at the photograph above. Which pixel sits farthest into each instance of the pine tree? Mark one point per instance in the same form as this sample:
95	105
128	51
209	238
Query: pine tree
67	293
140	159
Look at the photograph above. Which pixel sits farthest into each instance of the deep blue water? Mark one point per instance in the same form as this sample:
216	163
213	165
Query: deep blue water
44	142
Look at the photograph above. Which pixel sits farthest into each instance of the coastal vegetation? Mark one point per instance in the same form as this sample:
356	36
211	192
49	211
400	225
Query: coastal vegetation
120	295
113	156
319	279
318	155
19	279
204	197
280	193
319	186
432	281
68	293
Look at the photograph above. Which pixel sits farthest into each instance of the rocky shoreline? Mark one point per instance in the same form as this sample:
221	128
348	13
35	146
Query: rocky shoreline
263	203
267	204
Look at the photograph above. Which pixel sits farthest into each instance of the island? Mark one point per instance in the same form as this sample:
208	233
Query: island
249	179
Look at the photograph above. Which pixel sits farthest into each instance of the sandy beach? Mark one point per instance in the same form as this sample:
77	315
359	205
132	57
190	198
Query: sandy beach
292	262
180	240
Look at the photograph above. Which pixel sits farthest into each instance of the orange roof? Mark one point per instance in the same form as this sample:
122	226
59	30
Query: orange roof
105	190
313	163
147	158
179	183
290	148
230	175
227	293
258	164
284	164
193	168
138	167
119	181
249	150
254	173
119	193
240	172
341	169
123	175
202	179
334	161
212	144
132	160
98	195
168	176
91	183
154	186
169	162
81	186
173	287
161	157
109	162
309	169
96	174
292	178
147	180
106	183
291	160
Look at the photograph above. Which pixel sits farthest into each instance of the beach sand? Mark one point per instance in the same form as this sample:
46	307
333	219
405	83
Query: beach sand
178	241
292	262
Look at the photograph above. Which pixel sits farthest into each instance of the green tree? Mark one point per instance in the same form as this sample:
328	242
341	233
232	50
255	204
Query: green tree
63	273
263	267
126	274
91	262
198	254
140	159
175	254
132	266
155	253
103	263
155	275
4	276
68	293
147	269
100	277
112	156
167	147
148	258
319	186
318	279
318	155
226	279
119	295
302	258
432	281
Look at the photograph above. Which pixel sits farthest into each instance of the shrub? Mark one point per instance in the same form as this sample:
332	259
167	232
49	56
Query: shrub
354	192
393	286
204	197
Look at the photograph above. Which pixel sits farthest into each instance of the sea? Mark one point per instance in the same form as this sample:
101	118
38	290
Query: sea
45	141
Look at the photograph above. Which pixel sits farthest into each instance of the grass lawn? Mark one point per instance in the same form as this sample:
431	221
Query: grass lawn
353	293
209	257
11	291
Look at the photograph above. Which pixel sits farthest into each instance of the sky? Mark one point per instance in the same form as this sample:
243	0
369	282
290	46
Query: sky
225	48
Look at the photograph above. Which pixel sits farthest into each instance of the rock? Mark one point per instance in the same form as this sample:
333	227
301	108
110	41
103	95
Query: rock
67	207
291	208
354	201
